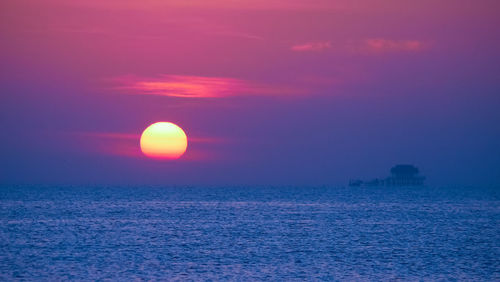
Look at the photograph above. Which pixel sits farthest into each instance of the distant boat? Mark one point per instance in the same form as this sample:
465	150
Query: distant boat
401	175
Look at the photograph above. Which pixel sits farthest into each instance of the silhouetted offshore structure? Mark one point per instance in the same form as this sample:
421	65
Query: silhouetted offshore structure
401	175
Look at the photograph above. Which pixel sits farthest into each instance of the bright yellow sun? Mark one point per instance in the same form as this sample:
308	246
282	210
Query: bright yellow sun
163	140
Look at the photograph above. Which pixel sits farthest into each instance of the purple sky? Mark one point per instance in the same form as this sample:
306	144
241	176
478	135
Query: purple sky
280	92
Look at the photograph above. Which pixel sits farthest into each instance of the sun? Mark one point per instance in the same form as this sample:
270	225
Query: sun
163	140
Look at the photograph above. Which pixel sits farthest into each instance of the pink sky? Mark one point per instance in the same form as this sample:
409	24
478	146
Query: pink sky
268	79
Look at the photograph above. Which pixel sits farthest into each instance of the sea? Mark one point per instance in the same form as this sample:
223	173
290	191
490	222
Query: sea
50	233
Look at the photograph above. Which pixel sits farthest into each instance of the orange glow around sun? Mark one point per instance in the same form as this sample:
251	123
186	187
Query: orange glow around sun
163	140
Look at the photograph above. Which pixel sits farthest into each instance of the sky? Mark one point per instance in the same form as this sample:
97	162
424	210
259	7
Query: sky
269	92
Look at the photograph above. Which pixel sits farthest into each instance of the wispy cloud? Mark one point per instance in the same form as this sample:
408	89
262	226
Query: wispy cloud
127	145
108	135
312	46
388	45
222	4
136	137
371	45
208	27
110	143
196	86
230	33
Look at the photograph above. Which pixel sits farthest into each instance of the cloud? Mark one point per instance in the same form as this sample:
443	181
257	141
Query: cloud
110	143
387	45
109	135
196	86
209	27
312	46
127	145
135	137
230	33
222	4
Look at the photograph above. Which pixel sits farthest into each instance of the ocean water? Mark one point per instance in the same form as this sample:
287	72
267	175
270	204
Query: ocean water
249	233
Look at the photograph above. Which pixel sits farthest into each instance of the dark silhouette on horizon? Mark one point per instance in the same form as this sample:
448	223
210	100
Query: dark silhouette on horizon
401	175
